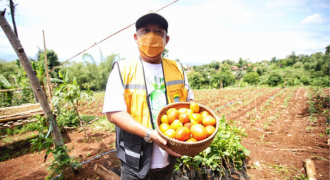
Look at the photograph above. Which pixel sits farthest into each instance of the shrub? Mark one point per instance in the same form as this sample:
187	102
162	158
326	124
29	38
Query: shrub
274	80
252	78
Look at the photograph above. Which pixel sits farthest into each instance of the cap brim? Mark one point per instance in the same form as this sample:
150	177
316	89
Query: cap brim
151	17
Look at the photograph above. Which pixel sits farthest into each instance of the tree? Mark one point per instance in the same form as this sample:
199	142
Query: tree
195	80
252	78
274	80
178	60
52	61
327	50
240	62
165	53
273	60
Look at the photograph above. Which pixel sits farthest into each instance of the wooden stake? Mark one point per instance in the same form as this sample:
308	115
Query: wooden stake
105	173
48	80
310	169
18	48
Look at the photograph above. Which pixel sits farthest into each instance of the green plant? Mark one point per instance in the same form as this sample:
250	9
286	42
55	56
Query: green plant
224	149
70	94
62	161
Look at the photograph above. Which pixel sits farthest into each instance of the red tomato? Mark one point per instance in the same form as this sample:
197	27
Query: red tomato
173	115
188	125
198	132
182	133
208	121
184	118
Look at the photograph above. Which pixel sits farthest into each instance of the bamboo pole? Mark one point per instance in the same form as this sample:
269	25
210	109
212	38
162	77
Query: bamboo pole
18	48
48	80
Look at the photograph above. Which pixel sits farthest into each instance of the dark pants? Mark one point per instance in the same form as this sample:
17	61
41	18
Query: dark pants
153	174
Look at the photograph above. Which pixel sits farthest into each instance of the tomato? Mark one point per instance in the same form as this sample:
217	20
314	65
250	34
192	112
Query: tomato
176	124
198	132
170	133
208	121
191	140
210	130
182	133
164	119
195	118
205	113
188	125
189	111
173	115
194	107
171	109
184	118
182	110
164	127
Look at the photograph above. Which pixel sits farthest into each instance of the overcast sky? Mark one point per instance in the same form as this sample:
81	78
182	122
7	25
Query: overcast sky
200	31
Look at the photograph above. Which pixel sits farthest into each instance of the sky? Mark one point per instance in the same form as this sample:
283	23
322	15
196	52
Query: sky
200	31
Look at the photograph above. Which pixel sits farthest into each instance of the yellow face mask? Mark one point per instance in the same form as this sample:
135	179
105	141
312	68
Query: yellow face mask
151	44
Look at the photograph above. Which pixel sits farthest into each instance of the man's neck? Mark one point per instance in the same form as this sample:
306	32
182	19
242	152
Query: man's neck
155	60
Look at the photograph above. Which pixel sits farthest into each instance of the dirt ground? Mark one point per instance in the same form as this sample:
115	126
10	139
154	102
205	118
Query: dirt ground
279	136
30	165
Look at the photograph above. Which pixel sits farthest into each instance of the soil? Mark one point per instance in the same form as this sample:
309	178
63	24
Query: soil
30	165
280	136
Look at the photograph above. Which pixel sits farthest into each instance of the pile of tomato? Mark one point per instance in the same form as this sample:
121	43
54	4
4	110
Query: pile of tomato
187	125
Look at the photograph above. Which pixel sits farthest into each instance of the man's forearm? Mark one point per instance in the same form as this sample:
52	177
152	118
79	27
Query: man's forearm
127	123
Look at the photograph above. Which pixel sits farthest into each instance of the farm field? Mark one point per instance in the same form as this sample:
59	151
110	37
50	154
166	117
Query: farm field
284	127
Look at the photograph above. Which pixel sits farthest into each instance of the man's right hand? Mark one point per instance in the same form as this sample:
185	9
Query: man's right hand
162	143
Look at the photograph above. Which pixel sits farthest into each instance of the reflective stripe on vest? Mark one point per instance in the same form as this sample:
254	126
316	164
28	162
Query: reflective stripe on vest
134	86
129	152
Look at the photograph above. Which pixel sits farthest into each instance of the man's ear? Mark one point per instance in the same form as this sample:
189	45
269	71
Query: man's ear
167	39
136	38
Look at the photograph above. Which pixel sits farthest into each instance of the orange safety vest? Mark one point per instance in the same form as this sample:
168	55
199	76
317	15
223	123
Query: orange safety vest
135	93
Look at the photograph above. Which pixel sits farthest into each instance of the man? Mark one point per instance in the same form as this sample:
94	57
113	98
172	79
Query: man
136	91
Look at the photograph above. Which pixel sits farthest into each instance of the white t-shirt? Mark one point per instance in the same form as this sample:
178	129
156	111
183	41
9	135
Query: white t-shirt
114	101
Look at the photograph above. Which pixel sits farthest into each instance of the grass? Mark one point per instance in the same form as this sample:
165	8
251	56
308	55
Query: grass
103	123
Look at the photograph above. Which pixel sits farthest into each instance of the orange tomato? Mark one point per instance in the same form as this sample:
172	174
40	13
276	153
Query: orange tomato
170	133
171	109
182	133
176	124
191	140
164	119
204	113
164	127
182	110
173	115
210	130
208	121
188	125
198	132
194	107
195	118
184	118
189	111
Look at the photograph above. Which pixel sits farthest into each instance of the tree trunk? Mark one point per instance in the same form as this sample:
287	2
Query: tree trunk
12	12
51	119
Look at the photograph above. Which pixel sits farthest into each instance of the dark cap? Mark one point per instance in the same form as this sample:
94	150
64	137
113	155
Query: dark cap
151	17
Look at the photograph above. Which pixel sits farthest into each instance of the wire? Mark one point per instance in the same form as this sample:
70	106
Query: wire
102	41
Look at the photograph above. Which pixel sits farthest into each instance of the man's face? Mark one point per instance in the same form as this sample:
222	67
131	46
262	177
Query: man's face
151	27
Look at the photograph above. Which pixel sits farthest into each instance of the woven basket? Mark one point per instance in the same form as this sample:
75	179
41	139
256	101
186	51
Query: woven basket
187	148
